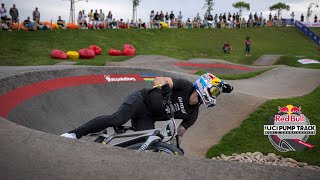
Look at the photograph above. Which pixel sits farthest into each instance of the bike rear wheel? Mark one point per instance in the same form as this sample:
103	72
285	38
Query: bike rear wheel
159	147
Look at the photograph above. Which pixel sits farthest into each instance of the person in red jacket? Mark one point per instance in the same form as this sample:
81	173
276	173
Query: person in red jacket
248	45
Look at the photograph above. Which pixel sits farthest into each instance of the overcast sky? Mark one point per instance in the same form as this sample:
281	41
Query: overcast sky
50	9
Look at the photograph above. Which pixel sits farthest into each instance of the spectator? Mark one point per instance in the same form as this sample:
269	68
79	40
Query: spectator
205	17
220	18
173	23
244	23
3	12
36	14
210	20
227	47
224	17
28	24
292	18
80	21
167	17
260	17
315	18
133	24
96	17
248	45
90	16
84	18
113	24
109	21
216	19
237	17
102	16
250	16
270	17
40	25
142	24
255	16
156	20
302	17
61	23
172	16
188	23
152	16
180	20
234	17
6	23
161	16
14	13
229	16
275	17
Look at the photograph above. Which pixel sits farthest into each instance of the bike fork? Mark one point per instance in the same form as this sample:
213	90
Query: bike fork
154	137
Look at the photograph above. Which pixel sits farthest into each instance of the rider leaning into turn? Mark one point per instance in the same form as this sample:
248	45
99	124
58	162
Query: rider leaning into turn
145	106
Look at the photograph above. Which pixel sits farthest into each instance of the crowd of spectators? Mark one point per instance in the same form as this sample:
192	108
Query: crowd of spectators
99	20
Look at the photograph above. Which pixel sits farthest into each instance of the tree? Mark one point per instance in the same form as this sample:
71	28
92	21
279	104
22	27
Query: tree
279	7
241	5
309	12
135	5
209	5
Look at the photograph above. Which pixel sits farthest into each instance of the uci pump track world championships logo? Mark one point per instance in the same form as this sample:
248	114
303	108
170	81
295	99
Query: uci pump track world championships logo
289	129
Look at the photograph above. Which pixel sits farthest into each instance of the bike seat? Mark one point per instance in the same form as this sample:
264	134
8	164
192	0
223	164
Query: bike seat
122	129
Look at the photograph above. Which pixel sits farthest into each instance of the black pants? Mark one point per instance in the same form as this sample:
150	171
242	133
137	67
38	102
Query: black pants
133	108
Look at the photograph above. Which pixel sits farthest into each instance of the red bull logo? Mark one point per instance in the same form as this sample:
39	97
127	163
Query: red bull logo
289	109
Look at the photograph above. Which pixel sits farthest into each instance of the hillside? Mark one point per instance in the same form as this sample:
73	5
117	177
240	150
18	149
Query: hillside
33	48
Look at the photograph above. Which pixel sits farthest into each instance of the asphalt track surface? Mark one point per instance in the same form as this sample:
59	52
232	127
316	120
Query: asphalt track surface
34	151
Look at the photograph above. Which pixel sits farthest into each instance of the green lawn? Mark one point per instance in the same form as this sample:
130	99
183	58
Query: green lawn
234	76
33	48
292	61
316	30
249	136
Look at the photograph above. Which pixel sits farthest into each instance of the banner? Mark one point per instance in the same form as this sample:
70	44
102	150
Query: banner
308	32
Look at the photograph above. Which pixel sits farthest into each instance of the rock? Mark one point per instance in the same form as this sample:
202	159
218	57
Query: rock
235	154
218	158
272	155
237	157
248	161
271	158
257	153
249	153
258	157
291	160
214	158
242	154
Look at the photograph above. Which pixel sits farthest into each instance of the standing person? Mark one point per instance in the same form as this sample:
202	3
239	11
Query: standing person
156	20
84	18
3	12
36	14
109	20
161	16
315	18
14	13
229	16
152	16
90	16
248	46
146	106
302	17
270	17
167	17
292	18
96	20
101	15
172	16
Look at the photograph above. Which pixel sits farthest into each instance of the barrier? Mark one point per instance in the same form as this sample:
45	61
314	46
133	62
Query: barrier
307	32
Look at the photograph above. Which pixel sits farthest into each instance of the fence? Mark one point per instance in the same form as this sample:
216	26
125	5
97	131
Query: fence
308	32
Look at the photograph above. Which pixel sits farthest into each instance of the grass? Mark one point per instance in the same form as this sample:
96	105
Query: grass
292	61
33	48
316	30
234	76
249	136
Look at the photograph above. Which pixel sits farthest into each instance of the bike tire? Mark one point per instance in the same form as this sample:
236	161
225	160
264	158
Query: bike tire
159	147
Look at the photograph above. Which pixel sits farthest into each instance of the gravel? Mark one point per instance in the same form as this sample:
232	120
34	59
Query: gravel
270	159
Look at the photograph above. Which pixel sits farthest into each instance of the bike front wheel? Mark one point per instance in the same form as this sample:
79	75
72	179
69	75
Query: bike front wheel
159	147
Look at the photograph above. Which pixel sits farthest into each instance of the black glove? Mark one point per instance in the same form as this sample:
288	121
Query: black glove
226	88
166	90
